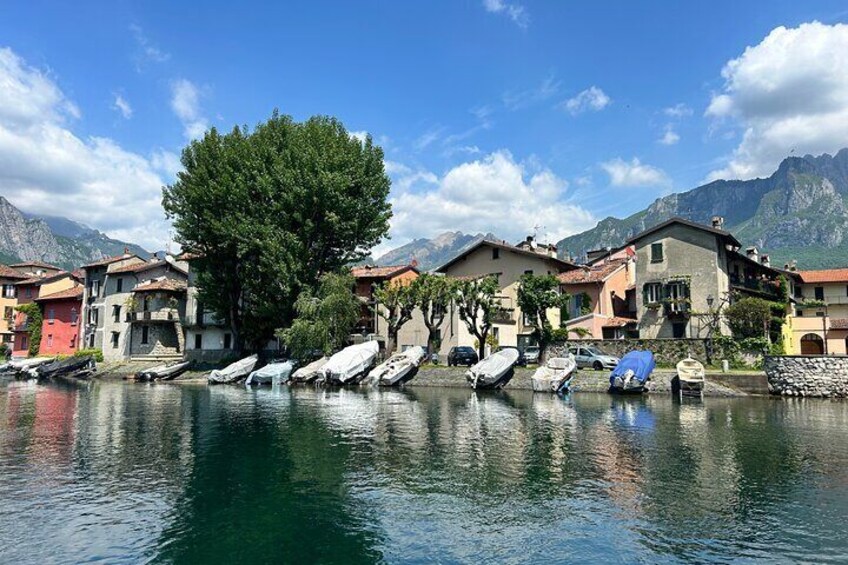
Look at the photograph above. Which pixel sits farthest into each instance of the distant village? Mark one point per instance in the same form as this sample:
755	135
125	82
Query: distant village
666	282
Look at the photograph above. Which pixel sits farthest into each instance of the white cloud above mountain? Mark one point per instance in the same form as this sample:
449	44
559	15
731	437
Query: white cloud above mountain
787	94
593	98
495	193
45	168
634	173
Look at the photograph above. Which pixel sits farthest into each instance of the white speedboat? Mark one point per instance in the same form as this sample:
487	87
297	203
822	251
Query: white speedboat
25	368
690	374
233	373
310	372
555	376
272	373
495	371
399	368
350	364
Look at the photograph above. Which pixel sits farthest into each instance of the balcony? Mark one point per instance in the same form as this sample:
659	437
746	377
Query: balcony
161	315
760	286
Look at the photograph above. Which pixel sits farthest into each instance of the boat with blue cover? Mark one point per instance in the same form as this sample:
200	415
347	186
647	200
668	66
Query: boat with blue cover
632	373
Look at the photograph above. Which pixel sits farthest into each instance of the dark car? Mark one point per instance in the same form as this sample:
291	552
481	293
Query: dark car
522	360
462	355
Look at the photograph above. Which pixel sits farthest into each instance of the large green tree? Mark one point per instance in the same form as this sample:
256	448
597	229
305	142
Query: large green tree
478	305
269	211
396	302
325	319
536	295
433	295
749	317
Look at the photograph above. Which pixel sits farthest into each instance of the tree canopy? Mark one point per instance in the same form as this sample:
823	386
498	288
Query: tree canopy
270	211
749	317
536	295
433	295
478	304
397	301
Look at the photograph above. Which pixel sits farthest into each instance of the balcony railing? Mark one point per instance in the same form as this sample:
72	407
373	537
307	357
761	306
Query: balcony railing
161	315
757	285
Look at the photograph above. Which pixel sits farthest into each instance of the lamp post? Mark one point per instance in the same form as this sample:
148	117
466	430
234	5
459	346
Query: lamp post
824	328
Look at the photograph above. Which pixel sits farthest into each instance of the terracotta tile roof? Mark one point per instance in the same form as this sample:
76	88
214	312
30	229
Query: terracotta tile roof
593	274
39	264
71	293
10	273
170	285
373	272
137	267
45	279
109	260
824	276
559	263
617	322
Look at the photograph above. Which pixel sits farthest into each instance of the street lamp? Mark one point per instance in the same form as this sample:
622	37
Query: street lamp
710	300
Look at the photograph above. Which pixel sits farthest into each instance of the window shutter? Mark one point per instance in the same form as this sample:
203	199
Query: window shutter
645	293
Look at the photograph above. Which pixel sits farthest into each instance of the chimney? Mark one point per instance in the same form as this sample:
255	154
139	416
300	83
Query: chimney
753	253
126	251
765	260
552	250
718	222
793	265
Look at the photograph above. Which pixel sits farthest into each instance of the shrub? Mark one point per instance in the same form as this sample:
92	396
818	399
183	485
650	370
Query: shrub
96	353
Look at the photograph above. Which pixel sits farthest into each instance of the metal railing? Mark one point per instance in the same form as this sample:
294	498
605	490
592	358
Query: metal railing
161	315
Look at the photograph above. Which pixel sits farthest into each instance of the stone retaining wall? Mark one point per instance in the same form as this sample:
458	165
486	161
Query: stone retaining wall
807	375
667	352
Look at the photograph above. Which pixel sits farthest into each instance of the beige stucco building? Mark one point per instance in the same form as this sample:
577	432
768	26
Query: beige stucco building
819	324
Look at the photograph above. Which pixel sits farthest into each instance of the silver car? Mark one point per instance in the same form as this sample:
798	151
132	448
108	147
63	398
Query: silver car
590	356
531	354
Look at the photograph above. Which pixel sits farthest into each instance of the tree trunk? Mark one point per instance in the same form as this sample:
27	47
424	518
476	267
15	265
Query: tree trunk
481	339
391	341
432	337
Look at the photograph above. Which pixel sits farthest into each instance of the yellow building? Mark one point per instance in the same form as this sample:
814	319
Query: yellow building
819	324
8	301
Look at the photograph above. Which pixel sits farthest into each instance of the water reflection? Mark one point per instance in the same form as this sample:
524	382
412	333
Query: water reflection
116	471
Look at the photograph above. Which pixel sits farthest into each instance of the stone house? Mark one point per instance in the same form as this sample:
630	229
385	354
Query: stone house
507	263
684	270
602	295
819	324
133	311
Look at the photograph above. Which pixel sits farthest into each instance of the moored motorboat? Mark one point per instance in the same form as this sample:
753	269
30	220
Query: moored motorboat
272	373
399	368
23	368
79	367
555	376
309	373
690	376
166	372
233	373
495	371
632	373
351	364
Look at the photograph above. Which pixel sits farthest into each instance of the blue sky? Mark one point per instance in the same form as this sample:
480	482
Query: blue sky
494	115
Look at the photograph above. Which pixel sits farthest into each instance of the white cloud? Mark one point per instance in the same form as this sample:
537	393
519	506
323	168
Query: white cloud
121	105
593	98
524	98
678	111
47	169
634	173
147	50
359	135
493	194
428	138
789	92
185	102
670	137
514	11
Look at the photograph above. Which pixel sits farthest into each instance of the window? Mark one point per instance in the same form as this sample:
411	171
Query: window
799	293
145	335
528	272
8	313
496	253
49	340
799	313
91	340
51	315
73	341
198	341
74	316
527	320
119	284
652	293
819	293
92	316
678	330
116	337
28	292
656	253
24	342
227	341
820	314
116	313
95	288
8	291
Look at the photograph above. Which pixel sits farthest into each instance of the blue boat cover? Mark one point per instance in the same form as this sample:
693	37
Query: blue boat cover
640	362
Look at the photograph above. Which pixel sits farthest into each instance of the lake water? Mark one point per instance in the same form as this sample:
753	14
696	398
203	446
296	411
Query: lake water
118	472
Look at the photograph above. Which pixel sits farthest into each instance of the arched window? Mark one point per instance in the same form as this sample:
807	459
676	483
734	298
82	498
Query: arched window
812	344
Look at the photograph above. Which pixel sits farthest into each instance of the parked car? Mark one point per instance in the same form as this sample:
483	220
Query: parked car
522	360
593	357
462	355
532	354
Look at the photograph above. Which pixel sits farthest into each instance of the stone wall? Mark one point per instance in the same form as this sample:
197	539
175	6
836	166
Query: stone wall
667	352
807	375
162	341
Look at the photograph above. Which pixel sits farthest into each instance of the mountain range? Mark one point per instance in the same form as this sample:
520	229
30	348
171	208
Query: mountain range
800	213
54	239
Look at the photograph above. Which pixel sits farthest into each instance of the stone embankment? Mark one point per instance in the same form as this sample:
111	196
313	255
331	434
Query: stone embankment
807	375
